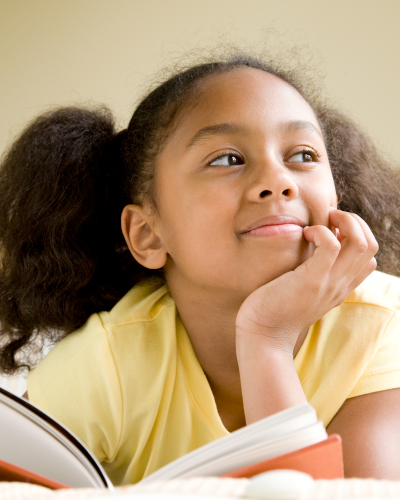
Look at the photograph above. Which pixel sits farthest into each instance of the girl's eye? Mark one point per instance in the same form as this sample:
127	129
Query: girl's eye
227	161
303	157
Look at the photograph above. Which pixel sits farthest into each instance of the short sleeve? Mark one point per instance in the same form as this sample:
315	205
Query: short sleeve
383	371
77	384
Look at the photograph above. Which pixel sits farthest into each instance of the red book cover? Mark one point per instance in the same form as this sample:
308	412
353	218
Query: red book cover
323	460
10	472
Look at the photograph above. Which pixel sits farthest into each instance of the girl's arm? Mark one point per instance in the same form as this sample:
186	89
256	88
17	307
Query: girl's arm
269	323
271	319
369	427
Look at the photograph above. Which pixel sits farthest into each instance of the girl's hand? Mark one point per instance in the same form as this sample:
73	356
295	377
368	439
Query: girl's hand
280	310
272	317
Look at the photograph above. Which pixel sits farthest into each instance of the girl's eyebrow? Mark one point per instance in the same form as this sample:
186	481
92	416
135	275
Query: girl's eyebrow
299	125
220	129
230	128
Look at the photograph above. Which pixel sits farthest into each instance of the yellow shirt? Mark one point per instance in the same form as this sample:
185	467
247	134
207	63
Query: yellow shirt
129	385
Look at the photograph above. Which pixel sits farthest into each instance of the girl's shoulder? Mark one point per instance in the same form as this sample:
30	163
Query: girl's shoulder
143	304
90	375
379	289
367	315
355	348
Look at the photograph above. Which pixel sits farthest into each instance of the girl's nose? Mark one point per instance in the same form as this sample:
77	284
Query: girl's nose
274	183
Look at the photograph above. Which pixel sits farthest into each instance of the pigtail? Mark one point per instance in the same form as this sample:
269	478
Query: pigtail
62	252
366	184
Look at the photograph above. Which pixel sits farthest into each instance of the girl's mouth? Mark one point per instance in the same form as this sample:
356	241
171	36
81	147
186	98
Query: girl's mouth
275	225
286	229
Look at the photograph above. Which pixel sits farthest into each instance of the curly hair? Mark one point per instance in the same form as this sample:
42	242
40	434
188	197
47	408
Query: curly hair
66	179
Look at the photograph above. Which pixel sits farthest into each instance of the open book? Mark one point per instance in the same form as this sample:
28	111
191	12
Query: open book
34	445
36	448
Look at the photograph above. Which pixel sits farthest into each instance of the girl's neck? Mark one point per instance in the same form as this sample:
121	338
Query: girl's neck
210	322
210	325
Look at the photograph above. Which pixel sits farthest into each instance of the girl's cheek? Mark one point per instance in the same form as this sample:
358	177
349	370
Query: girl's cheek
320	214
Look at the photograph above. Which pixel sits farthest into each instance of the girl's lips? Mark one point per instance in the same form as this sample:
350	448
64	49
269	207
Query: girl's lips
285	229
275	225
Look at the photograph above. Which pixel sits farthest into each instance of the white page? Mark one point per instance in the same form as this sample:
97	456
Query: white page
304	434
33	443
284	422
86	458
230	446
25	444
294	441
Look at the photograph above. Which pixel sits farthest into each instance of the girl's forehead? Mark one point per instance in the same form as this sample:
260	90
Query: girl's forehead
248	96
244	86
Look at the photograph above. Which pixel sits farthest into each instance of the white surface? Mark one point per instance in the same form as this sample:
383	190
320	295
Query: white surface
279	485
160	496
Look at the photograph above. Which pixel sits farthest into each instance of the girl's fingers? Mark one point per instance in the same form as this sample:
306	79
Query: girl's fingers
327	248
358	244
368	269
337	216
340	218
373	244
347	261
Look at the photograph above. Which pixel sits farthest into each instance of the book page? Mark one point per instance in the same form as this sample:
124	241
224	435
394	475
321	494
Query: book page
258	433
31	439
282	445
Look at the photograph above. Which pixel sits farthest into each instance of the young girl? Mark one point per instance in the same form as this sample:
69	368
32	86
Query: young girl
238	288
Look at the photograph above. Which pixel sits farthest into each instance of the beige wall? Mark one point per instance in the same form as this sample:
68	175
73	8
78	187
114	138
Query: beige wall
55	51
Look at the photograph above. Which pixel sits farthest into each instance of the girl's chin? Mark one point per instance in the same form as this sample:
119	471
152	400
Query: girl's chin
261	276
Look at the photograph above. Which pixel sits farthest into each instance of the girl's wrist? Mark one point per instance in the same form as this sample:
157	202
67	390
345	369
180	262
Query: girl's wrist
268	377
275	345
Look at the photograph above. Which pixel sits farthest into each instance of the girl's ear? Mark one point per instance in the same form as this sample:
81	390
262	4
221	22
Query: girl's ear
138	228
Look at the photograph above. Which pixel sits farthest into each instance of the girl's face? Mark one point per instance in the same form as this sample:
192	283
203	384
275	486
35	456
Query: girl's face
244	171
